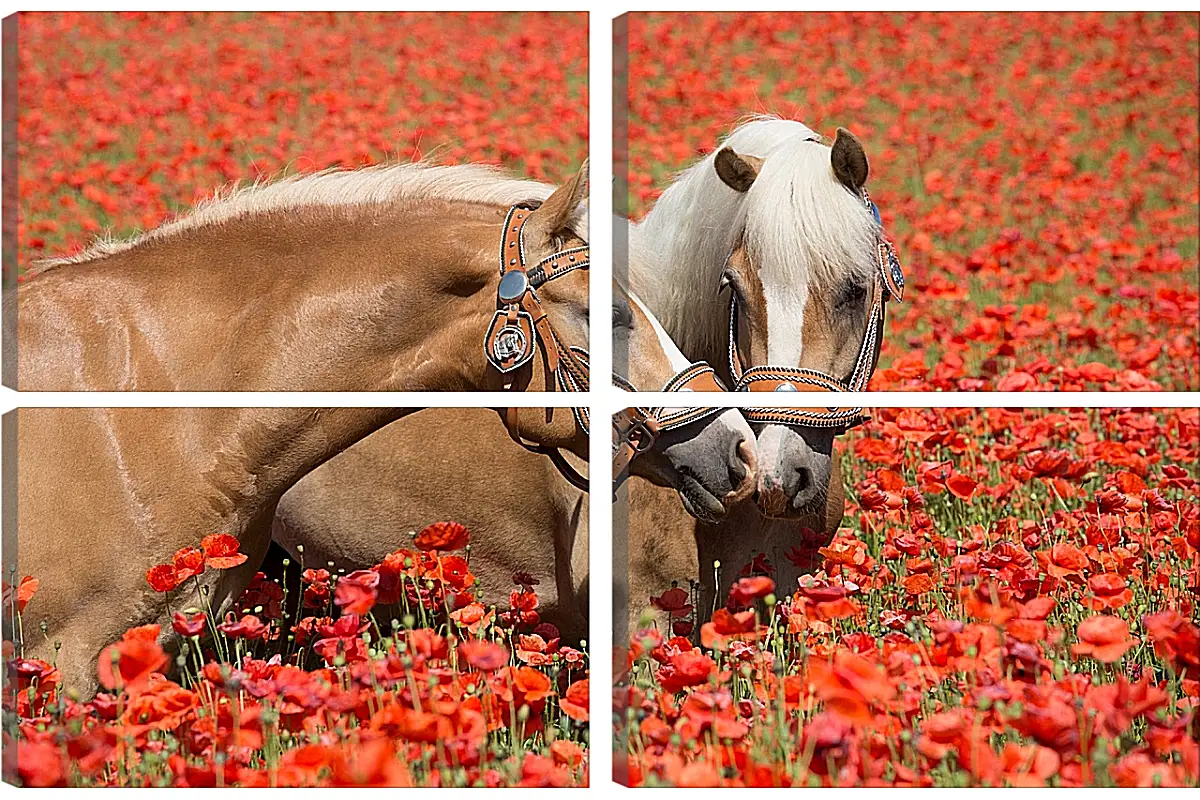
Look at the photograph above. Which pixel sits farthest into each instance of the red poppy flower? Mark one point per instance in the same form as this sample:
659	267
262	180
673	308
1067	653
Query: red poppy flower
1110	591
248	627
1104	638
473	617
1176	640
189	626
875	499
355	593
918	584
316	595
1063	560
849	685
482	655
566	753
26	588
686	668
525	579
315	576
674	601
728	622
747	590
533	684
188	563
162	577
221	551
574	703
961	486
372	763
443	536
40	764
129	663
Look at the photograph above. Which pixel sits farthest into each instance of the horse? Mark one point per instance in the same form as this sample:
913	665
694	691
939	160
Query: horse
524	515
768	251
258	272
377	279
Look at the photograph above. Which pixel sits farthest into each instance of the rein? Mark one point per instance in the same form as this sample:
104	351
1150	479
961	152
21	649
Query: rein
888	284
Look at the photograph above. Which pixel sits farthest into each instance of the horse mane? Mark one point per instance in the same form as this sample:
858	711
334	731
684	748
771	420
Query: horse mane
796	220
335	188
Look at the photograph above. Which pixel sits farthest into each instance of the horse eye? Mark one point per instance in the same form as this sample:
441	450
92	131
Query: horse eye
726	280
852	295
622	316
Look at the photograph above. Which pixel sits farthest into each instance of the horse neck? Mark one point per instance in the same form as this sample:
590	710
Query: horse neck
676	255
322	299
253	456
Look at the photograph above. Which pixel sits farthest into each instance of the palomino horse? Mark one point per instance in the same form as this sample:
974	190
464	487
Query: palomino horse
767	252
383	278
449	463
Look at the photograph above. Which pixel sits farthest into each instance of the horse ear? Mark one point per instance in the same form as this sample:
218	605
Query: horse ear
736	171
554	215
849	161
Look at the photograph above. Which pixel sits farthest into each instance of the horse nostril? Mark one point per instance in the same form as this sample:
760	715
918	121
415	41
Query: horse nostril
805	475
742	473
747	454
737	467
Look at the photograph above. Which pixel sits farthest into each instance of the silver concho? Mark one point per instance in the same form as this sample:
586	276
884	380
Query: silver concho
513	286
511	343
786	387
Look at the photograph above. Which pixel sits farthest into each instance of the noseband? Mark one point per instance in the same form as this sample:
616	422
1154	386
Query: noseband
520	323
888	284
636	429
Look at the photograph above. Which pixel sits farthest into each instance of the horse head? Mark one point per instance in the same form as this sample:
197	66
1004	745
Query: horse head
706	455
806	281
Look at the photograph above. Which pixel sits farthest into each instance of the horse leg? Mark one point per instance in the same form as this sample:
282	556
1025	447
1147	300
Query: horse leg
660	551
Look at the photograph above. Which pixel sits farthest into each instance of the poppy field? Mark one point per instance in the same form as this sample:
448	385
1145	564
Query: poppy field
1011	600
394	676
125	120
1037	172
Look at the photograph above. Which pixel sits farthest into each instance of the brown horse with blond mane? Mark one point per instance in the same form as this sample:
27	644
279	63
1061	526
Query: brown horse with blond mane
384	278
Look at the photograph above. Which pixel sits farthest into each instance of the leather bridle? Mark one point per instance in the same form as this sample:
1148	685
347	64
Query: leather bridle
520	323
888	284
636	429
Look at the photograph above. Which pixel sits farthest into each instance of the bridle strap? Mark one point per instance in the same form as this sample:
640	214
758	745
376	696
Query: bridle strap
520	323
512	422
517	299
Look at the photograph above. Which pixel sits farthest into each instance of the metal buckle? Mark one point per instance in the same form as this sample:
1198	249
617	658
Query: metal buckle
640	434
647	430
